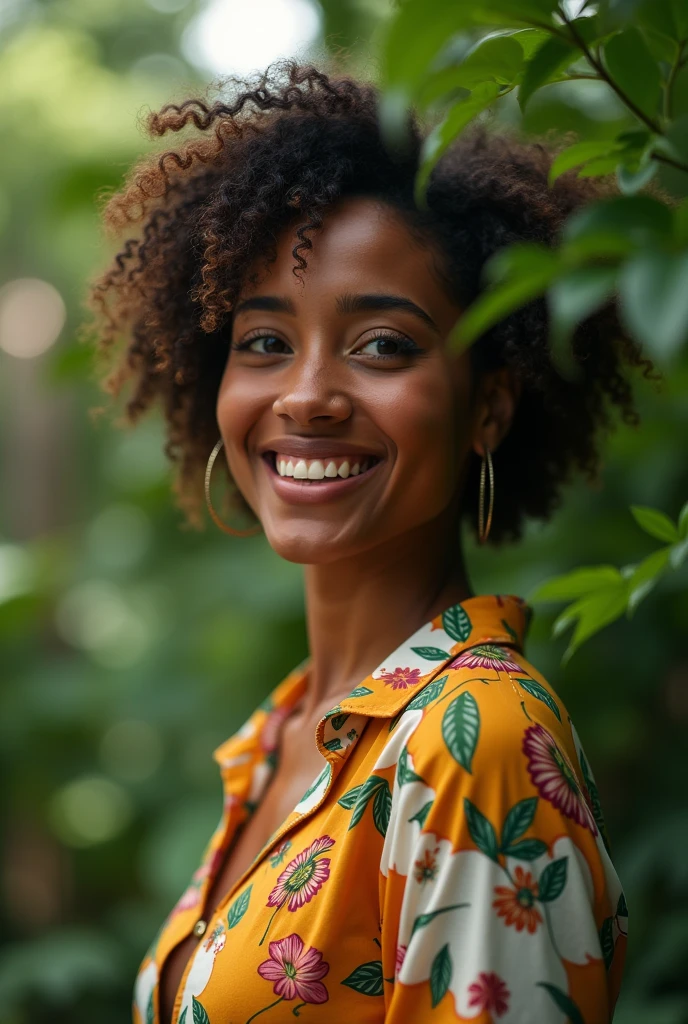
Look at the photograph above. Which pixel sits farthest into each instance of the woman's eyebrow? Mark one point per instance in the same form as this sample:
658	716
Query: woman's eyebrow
380	303
265	304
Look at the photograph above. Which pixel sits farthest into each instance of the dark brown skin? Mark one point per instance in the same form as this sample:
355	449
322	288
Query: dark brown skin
384	558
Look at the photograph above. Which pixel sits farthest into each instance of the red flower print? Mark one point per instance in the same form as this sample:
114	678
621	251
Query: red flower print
486	656
296	972
554	777
426	869
401	678
517	906
489	992
400	957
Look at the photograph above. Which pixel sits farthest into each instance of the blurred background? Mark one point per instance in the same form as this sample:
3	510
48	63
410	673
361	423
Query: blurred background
131	647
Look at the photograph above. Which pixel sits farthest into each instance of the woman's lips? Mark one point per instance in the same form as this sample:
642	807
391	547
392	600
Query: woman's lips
307	492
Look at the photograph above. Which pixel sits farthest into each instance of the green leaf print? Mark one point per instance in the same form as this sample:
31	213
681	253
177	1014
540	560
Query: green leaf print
527	849
335	744
595	804
456	623
182	1019
440	975
538	691
314	785
460	728
552	880
350	797
564	1002
338	721
431	653
382	809
238	908
607	941
422	814
519	818
512	632
424	919
621	908
360	691
366	792
482	832
367	979
404	773
199	1014
150	1011
429	693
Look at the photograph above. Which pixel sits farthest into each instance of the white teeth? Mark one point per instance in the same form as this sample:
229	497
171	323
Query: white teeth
343	471
282	468
301	470
355	469
289	471
316	470
331	469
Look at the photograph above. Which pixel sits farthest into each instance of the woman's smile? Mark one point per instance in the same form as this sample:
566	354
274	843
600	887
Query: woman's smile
323	479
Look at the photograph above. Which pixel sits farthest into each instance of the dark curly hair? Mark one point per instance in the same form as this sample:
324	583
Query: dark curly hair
280	151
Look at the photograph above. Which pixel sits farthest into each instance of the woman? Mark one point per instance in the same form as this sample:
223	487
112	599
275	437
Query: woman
411	830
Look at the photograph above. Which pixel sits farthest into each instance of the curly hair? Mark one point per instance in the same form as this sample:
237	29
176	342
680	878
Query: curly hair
288	144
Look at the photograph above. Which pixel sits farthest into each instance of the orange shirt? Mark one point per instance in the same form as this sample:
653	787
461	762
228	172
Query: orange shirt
448	863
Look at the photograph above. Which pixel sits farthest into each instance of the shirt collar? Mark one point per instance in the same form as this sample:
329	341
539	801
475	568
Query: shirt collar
494	619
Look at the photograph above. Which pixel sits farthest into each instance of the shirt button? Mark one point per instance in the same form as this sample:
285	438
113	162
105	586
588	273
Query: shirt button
200	927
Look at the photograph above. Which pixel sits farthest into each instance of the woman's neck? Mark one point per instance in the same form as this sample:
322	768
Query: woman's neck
359	610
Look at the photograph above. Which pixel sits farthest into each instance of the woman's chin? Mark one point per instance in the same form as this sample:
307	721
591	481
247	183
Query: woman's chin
312	543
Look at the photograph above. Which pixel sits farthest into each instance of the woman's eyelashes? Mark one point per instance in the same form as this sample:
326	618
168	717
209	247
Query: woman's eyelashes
382	345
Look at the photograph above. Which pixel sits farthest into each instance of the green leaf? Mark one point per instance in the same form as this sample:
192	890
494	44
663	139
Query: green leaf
420	29
607	941
552	880
645	576
530	272
527	849
440	975
577	583
591	614
656	523
422	814
653	288
456	623
429	693
366	791
594	795
238	908
360	691
335	744
424	919
518	819
571	300
199	1014
150	1011
564	1002
552	57
482	832
497	58
621	907
382	809
579	153
683	522
678	553
316	782
350	797
338	721
634	69
668	18
441	137
461	728
638	221
538	691
182	1019
367	979
404	773
632	179
431	653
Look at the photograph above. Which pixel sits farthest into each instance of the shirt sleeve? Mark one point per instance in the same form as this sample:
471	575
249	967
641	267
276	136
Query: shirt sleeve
499	899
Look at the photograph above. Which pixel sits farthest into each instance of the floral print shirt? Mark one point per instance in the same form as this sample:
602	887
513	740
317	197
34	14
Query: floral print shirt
449	862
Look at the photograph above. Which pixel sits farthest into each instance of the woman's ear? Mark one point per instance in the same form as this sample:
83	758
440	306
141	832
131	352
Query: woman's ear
498	395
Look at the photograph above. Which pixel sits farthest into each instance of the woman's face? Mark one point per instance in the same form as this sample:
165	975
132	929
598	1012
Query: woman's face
346	421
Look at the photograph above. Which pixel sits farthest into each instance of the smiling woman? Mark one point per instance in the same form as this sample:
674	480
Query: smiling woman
411	830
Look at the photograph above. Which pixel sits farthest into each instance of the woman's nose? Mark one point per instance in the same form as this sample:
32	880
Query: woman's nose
313	392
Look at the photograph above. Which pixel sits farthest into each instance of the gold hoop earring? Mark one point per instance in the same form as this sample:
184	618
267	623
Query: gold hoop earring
213	514
483	531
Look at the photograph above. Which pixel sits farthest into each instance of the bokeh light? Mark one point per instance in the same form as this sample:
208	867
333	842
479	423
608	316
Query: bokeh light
131	750
90	810
32	315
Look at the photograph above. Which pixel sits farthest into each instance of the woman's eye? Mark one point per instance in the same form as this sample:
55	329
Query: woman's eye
265	344
385	345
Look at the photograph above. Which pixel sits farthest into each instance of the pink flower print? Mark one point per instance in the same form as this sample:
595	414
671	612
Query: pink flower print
399	959
489	992
295	971
554	777
191	897
272	727
303	876
486	656
401	678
